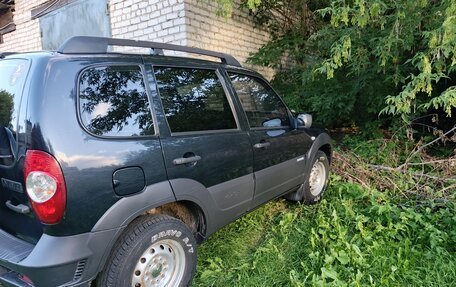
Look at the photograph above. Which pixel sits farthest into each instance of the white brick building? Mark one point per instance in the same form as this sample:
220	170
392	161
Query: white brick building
44	24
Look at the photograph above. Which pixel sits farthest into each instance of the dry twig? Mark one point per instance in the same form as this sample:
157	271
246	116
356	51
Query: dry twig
426	182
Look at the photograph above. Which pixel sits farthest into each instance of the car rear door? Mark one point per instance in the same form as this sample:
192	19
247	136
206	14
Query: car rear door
279	149
204	146
15	215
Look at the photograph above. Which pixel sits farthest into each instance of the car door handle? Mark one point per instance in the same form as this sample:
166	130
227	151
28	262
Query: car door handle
186	160
21	208
262	145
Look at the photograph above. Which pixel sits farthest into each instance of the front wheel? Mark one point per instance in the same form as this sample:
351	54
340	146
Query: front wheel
154	251
315	184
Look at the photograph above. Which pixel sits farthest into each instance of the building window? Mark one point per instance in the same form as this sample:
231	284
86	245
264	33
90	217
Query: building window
6	18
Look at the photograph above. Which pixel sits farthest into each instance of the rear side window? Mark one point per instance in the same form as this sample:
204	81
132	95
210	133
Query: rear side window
261	104
194	100
12	78
113	102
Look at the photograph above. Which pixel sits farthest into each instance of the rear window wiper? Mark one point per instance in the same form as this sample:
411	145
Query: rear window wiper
7	146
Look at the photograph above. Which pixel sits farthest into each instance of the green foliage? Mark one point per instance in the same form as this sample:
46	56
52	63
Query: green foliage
409	45
225	7
354	237
358	235
356	59
6	107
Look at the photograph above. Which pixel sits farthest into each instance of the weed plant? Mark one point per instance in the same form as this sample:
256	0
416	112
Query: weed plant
356	236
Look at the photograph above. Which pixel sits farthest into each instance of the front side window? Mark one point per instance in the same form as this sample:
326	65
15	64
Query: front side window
194	100
113	102
262	105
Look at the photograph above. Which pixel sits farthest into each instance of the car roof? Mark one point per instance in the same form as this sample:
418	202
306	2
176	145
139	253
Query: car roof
101	45
82	46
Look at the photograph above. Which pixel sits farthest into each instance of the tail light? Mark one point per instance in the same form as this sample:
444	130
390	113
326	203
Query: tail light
45	186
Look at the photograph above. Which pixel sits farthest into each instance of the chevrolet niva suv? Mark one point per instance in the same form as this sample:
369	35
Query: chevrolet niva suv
114	167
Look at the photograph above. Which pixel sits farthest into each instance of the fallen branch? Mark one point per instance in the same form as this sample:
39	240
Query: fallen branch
449	160
421	148
399	169
453	186
382	167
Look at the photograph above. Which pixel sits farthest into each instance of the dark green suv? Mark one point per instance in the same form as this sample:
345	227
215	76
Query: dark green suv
113	166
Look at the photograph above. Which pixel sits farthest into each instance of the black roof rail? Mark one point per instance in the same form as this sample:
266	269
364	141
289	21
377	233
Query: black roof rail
4	54
100	45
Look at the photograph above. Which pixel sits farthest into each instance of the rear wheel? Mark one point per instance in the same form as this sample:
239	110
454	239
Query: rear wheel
315	184
155	251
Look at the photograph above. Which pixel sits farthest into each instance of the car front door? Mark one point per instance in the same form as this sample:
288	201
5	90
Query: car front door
208	156
279	150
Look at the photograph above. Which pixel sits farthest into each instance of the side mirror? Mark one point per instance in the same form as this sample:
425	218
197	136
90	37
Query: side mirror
272	123
304	120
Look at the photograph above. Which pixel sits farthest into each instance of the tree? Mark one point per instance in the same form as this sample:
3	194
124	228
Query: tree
354	59
6	108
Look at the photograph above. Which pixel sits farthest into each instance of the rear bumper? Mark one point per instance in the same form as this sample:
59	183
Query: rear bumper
53	261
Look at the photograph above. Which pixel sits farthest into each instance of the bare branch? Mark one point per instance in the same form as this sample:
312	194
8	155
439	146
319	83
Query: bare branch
449	160
421	148
399	169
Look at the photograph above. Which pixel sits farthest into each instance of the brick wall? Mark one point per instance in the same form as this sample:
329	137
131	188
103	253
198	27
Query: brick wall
184	22
27	35
236	35
161	21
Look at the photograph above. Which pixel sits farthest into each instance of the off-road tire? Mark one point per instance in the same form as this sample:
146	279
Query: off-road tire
134	252
306	193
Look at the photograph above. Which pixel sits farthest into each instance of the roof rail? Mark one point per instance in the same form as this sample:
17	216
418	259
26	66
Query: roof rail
100	45
4	54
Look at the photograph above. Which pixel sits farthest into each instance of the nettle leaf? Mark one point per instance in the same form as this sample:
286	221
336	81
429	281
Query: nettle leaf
343	257
329	273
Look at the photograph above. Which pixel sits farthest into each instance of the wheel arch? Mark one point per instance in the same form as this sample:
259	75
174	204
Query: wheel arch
323	143
188	212
327	149
155	199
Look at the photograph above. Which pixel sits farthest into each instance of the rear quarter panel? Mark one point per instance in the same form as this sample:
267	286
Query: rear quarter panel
88	162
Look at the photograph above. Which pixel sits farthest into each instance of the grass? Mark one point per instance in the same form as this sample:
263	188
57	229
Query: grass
354	237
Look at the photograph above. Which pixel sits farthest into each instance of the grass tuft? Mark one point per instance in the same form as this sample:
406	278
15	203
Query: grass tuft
356	236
